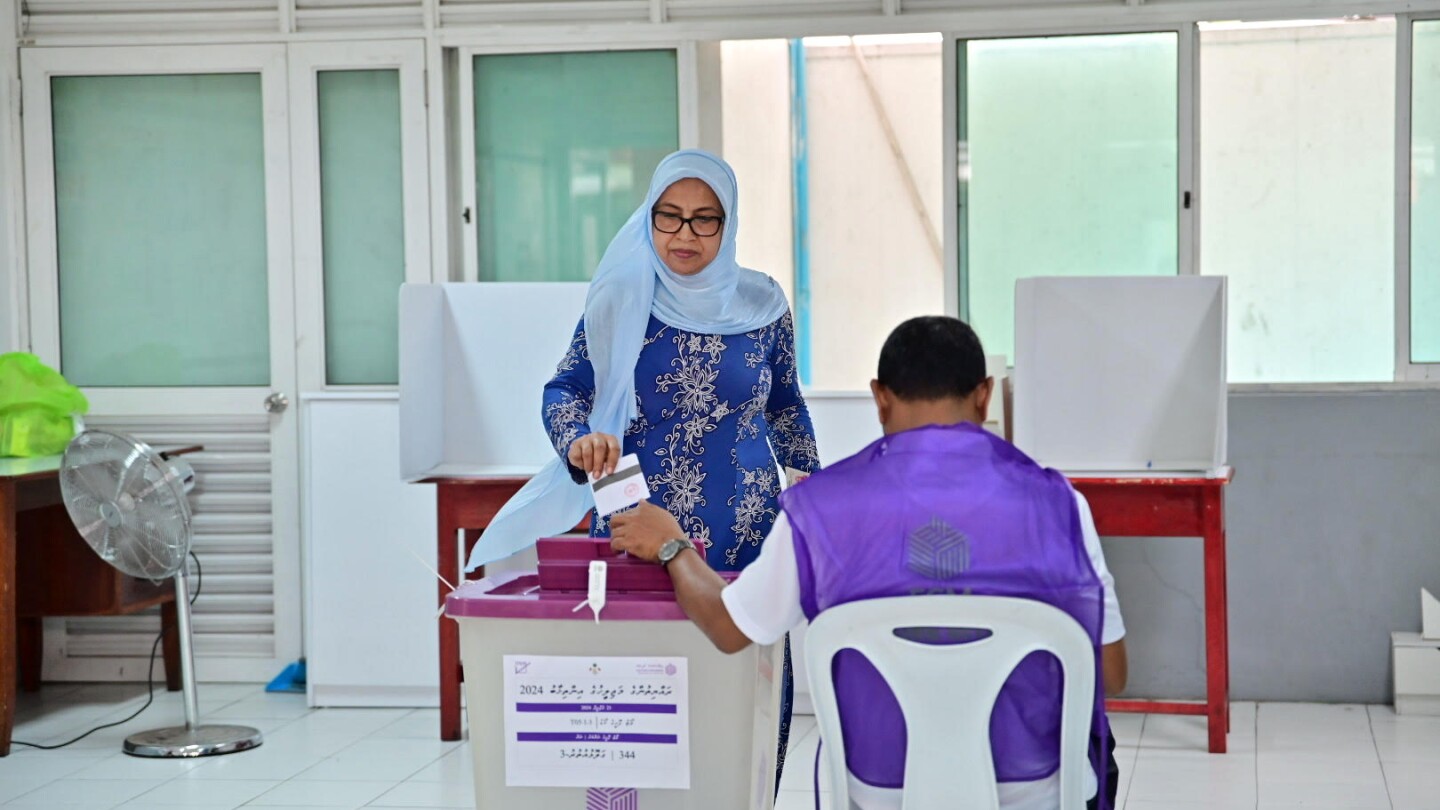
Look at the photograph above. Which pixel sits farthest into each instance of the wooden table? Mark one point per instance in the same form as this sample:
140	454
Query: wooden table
54	572
1162	506
464	507
1152	506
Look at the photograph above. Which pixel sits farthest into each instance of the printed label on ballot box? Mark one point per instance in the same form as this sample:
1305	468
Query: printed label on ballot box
596	722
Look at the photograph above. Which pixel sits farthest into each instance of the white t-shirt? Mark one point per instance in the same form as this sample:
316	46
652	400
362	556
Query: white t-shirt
764	603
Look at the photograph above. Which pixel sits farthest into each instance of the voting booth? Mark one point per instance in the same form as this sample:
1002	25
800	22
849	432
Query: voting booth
474	360
633	708
1121	375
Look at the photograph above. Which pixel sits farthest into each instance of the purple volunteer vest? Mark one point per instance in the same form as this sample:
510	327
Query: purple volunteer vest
948	509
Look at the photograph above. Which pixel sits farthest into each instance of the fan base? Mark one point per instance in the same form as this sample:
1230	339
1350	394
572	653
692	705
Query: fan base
200	741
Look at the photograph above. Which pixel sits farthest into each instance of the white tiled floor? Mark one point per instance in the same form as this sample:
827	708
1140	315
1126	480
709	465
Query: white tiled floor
1282	755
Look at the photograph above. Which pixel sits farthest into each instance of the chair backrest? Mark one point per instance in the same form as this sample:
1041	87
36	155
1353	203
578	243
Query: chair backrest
947	692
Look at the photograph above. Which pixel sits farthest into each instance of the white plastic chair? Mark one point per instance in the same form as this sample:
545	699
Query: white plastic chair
947	692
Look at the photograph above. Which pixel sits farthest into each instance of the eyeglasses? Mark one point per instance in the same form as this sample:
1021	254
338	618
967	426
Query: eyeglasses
666	222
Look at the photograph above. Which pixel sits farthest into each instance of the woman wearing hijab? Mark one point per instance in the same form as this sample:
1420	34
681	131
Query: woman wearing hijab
687	360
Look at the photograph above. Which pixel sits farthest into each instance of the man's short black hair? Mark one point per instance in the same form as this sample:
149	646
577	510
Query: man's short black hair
932	357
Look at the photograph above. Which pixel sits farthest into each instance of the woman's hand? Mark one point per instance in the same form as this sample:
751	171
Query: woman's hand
596	454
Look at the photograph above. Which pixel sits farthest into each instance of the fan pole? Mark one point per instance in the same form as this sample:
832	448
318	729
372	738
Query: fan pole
187	652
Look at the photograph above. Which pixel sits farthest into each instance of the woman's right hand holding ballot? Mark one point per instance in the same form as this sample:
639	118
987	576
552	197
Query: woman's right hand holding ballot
596	454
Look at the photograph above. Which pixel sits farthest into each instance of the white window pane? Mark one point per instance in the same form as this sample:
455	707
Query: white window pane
1297	206
160	211
874	207
363	224
1070	166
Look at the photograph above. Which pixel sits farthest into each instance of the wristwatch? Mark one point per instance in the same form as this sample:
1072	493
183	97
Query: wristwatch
672	548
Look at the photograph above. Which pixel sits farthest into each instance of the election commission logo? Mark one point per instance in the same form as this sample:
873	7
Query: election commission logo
937	551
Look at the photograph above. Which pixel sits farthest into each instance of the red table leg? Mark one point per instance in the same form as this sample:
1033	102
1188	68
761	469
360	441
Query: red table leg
448	564
1217	663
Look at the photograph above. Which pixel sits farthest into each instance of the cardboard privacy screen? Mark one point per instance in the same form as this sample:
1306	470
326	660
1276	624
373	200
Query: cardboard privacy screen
474	359
1121	375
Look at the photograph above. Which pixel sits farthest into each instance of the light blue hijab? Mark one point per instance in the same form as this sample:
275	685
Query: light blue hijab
631	284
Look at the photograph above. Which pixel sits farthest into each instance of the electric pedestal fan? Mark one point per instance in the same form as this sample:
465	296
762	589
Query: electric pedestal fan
129	504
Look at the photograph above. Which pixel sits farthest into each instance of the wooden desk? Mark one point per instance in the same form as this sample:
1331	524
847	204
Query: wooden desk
40	574
464	507
1177	507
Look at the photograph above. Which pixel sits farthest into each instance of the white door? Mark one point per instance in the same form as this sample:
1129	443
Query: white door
158	207
361	204
362	228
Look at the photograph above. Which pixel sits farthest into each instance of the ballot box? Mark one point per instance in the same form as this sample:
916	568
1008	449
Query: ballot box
634	711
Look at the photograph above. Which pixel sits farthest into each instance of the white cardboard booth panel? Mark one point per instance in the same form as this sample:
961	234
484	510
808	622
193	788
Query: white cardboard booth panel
1121	375
474	359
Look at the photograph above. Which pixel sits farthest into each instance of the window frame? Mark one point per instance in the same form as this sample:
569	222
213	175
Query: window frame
688	92
306	62
1406	370
1187	99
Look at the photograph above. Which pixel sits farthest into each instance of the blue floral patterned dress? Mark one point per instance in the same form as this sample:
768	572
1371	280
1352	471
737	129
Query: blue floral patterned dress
714	415
710	409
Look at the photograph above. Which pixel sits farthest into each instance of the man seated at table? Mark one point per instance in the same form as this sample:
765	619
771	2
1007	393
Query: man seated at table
868	527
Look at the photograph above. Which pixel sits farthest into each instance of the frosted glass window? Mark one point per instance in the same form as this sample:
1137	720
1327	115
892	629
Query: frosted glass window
874	226
1425	196
1069	166
363	224
160	212
1297	197
875	230
565	144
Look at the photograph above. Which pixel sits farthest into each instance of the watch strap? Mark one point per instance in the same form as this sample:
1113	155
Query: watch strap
678	544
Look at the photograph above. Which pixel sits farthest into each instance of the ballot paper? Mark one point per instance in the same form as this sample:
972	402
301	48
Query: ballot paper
621	489
604	722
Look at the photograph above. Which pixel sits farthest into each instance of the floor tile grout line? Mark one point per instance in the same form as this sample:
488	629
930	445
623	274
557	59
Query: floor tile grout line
1370	723
1255	741
1139	746
296	777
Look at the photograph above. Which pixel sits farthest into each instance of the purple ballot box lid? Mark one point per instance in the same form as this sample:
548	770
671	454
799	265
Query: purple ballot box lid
564	565
518	595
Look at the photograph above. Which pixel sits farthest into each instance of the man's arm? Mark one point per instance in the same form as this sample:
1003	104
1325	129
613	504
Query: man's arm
1114	666
697	589
641	532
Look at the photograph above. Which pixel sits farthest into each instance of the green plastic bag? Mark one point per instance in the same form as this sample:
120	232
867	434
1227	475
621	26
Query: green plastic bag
36	407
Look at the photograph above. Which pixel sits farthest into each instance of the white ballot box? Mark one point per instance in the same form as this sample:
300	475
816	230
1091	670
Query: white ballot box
635	710
1121	375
